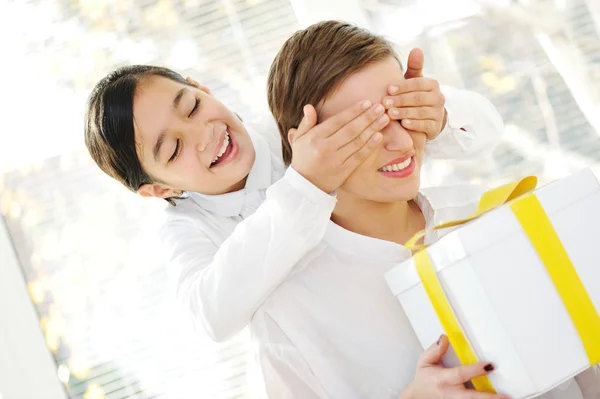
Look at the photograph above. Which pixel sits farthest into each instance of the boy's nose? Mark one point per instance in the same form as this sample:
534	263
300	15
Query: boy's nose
396	138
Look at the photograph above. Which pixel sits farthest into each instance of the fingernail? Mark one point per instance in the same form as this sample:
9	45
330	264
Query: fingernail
383	119
489	367
388	103
366	104
440	339
406	122
377	137
393	89
395	111
379	108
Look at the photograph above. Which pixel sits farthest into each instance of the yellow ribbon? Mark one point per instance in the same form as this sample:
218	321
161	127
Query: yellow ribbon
543	237
443	309
489	200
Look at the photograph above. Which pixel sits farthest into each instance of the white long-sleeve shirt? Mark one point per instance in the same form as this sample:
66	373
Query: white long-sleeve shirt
227	253
333	330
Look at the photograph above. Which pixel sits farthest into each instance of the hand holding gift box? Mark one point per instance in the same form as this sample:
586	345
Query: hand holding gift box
519	284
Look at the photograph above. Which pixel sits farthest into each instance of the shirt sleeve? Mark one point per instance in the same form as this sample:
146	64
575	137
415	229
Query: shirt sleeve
221	287
473	126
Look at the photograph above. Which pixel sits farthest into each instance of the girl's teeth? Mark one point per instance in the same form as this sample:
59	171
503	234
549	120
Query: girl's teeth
223	147
397	167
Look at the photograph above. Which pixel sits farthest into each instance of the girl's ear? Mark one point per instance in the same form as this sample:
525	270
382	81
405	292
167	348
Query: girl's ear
157	191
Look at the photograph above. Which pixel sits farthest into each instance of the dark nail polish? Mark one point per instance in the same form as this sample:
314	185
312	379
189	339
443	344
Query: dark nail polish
489	367
440	339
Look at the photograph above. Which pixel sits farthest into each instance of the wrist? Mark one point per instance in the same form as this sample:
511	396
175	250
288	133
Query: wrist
312	182
311	179
443	127
444	123
303	184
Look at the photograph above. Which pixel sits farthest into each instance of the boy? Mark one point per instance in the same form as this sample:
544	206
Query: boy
333	329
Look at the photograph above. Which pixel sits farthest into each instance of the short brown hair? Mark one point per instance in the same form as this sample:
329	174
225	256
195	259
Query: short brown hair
312	63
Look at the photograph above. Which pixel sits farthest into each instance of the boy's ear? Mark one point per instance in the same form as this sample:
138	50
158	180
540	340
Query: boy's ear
291	135
157	191
198	85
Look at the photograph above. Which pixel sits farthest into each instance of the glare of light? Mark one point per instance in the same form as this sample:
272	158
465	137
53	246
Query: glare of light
15	211
136	52
596	171
93	9
32	218
66	162
561	5
184	55
555	165
504	3
94	392
37	291
192	3
435	12
63	374
407	23
52	342
402	25
252	93
499	84
161	14
79	366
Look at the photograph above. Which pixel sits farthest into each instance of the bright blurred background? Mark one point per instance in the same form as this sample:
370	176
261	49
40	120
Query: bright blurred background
84	247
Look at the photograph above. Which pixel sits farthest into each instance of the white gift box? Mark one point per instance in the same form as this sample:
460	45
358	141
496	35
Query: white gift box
503	297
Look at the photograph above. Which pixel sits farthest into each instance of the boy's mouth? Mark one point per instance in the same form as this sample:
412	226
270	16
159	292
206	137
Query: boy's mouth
400	167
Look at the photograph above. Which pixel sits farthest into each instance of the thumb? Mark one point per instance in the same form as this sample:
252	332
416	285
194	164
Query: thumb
414	65
308	121
433	355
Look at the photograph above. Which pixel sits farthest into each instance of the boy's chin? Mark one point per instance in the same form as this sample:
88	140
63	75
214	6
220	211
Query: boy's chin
391	197
383	191
407	193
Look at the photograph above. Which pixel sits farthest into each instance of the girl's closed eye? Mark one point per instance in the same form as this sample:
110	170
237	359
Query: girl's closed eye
177	150
194	108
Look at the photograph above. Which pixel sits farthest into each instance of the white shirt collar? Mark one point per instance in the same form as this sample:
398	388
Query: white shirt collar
369	248
259	178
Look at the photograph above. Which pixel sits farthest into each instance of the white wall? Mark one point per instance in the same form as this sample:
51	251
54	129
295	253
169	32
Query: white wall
27	369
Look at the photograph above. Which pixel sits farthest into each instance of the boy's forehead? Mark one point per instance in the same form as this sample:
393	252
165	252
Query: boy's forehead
369	83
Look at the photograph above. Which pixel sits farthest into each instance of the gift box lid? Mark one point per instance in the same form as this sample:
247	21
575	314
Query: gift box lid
453	246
